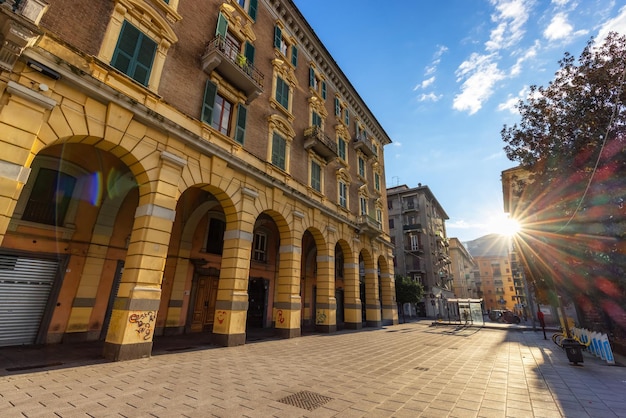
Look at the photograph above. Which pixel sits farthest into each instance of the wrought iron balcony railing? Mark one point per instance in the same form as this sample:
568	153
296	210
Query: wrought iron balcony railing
322	144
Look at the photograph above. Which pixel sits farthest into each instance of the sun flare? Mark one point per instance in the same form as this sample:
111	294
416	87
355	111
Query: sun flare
505	226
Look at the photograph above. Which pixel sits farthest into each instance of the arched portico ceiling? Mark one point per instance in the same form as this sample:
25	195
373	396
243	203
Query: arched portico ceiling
348	254
383	265
279	219
368	260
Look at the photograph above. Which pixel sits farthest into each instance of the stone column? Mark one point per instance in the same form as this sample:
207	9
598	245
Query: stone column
325	303
135	309
231	308
288	304
390	307
372	300
352	298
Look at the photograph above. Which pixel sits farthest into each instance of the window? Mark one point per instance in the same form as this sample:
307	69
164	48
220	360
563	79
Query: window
50	197
361	167
316	120
282	93
343	194
215	236
279	148
250	6
285	45
341	148
391	224
414	242
316	83
217	112
134	54
346	116
316	176
377	181
363	205
259	247
337	107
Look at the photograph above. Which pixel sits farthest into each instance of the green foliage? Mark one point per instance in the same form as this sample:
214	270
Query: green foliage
408	291
572	139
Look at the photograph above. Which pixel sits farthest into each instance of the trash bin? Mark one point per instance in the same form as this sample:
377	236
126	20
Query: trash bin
573	349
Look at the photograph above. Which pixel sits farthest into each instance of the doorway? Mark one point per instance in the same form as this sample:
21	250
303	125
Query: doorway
203	314
257	302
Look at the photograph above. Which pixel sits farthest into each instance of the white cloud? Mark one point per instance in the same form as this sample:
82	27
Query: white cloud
511	102
617	24
480	73
425	83
510	17
430	97
530	53
559	28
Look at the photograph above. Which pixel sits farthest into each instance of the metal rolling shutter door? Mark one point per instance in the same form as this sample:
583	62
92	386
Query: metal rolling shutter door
25	286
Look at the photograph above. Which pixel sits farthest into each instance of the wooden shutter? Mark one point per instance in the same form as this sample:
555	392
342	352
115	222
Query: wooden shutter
278	37
145	56
311	77
323	90
252	9
249	52
337	107
209	101
222	26
240	130
294	56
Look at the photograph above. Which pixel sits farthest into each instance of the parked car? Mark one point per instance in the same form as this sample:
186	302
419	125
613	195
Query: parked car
504	316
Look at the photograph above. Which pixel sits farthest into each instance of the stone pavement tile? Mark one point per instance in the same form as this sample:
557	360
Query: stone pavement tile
496	395
491	413
463	413
520	405
436	411
497	405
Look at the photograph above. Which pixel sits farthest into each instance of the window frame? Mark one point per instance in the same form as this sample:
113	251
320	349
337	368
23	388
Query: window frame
259	247
153	25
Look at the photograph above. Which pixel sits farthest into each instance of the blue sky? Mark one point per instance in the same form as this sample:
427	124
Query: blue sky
442	78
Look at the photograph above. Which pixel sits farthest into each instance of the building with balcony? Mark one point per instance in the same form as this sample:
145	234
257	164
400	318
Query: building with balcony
461	268
418	233
492	255
179	167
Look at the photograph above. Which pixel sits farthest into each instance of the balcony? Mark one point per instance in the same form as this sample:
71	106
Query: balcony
415	248
412	227
410	207
224	56
19	20
362	142
369	226
316	139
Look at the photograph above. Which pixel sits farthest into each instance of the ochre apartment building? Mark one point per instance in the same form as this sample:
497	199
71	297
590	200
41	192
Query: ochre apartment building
183	166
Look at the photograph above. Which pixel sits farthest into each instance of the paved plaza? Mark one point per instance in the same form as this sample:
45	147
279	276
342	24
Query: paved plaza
406	370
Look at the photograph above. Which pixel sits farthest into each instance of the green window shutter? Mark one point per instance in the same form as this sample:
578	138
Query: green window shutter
278	151
346	116
337	107
209	101
316	175
249	52
282	93
294	56
145	56
240	130
252	9
311	77
324	90
222	26
125	49
357	131
134	53
341	148
317	120
278	37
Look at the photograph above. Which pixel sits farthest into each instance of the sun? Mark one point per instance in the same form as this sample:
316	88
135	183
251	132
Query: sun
505	226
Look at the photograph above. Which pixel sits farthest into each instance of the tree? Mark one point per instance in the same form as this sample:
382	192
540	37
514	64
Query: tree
572	139
408	291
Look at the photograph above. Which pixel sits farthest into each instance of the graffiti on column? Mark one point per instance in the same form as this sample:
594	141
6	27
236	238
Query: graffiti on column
321	317
144	323
279	316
